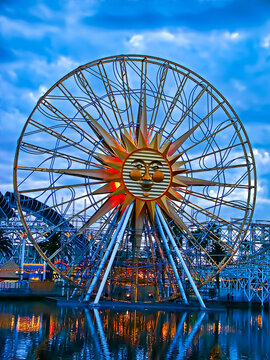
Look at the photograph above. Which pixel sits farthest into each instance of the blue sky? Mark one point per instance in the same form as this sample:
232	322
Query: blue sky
225	41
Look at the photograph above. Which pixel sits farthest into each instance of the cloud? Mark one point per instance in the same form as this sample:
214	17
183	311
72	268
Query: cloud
187	39
21	29
266	42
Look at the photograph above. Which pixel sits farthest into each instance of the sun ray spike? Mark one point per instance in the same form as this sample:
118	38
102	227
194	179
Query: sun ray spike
113	162
119	151
139	207
180	141
128	200
178	165
142	124
97	174
110	141
178	183
177	171
105	189
151	210
155	142
174	195
104	209
130	146
120	190
165	148
163	203
142	142
173	160
178	221
188	181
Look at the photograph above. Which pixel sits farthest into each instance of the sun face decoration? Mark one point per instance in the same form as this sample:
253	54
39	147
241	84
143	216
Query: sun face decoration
146	174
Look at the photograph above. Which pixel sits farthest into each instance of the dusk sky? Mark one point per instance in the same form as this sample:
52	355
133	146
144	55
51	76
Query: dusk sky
225	41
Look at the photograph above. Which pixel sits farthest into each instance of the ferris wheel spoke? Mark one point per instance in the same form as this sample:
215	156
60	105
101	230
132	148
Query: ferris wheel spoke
158	97
174	101
181	181
61	187
215	200
66	221
200	122
216	152
59	136
54	153
218	168
207	137
181	140
95	100
75	126
210	214
110	95
126	88
187	112
187	216
96	174
34	213
213	216
87	117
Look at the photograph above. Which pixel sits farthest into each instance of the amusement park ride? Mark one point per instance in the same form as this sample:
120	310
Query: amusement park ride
145	166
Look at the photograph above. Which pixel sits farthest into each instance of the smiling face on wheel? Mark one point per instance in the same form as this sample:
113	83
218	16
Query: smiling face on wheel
146	174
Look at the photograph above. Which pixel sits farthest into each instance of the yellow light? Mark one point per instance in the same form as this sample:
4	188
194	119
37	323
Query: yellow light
117	184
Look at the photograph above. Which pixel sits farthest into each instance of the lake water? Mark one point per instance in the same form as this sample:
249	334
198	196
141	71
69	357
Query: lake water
42	331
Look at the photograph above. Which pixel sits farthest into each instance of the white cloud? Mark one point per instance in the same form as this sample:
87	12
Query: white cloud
262	157
34	96
136	41
18	28
238	85
266	42
232	36
186	38
154	37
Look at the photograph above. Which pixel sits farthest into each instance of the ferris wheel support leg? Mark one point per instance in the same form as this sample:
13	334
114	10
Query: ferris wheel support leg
105	240
171	260
103	261
192	283
126	217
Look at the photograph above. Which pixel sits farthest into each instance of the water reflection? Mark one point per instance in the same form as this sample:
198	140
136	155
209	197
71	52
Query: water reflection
43	331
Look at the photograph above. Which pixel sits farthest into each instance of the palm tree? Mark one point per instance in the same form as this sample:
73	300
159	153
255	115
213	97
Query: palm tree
6	245
53	242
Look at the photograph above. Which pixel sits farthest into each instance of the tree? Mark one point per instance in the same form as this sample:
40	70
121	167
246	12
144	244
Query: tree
53	242
6	245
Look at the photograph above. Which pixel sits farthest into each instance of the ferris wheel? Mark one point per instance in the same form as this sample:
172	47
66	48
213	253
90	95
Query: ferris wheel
145	164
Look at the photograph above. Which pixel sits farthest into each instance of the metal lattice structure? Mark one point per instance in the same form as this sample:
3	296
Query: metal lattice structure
154	159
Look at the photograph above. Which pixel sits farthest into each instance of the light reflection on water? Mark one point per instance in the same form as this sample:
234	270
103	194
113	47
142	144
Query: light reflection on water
43	331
